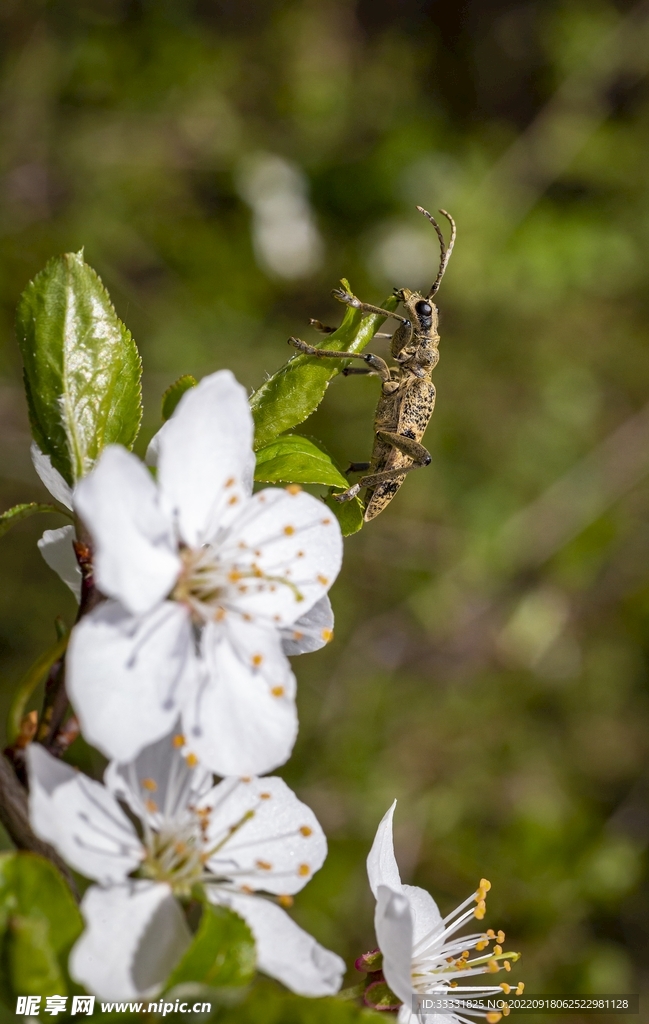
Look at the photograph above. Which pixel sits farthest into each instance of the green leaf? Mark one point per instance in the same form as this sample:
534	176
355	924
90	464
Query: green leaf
39	922
175	392
33	965
298	387
270	1004
19	512
221	954
82	368
292	459
348	513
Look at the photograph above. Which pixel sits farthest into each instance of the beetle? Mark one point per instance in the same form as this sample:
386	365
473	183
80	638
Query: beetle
407	397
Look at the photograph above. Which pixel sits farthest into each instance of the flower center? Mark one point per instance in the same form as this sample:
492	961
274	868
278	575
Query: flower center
175	857
210	586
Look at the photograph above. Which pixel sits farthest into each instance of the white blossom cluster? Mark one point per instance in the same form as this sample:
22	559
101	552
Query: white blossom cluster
179	673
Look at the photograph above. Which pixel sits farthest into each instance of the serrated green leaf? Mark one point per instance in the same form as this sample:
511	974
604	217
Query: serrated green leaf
175	392
270	1004
348	513
292	459
40	921
82	368
221	954
298	387
19	512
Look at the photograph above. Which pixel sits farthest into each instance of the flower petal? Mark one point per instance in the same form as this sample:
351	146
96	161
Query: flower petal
135	934
425	912
51	477
242	718
159	783
80	819
135	556
285	951
290	545
205	457
382	868
56	548
393	925
311	631
126	675
268	839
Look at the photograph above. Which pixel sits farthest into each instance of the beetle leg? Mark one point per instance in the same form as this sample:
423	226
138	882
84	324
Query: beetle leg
322	328
377	365
366	308
357	467
420	457
349	370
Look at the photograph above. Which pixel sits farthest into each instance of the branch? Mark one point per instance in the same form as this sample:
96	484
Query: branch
14	815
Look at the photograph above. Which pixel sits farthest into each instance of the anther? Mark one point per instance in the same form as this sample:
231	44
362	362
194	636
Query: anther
507	965
293	488
493	1017
491	933
233	500
304	870
323	579
327	635
257	660
264	865
231	482
500	936
264	796
480	910
277	691
151	806
191	760
306	830
498	950
288	530
481	945
506	987
285	900
506	1010
149	784
178	740
326	522
219	614
485	884
520	988
493	967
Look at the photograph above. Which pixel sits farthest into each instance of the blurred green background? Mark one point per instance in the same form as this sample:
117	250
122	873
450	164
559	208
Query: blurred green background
224	163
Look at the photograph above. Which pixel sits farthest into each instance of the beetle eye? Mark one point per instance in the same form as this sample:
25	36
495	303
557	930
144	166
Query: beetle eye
424	308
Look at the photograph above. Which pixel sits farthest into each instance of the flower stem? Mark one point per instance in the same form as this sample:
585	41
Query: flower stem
28	684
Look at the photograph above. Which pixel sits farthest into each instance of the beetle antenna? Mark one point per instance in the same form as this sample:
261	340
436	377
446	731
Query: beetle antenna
445	252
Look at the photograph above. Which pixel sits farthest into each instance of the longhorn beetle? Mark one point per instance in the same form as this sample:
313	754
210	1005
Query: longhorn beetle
407	397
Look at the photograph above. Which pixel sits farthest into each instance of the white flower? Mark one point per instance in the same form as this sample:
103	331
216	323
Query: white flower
56	545
206	582
422	952
235	839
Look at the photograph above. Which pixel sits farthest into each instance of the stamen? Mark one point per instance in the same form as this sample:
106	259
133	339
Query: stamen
304	870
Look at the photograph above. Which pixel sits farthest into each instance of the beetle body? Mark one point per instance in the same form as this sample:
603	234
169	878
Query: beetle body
407	397
407	410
